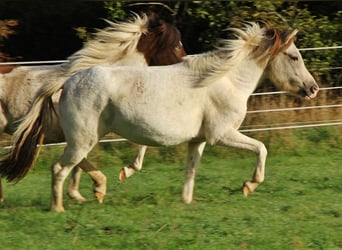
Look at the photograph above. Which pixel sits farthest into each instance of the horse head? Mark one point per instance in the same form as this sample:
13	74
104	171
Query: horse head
286	67
162	44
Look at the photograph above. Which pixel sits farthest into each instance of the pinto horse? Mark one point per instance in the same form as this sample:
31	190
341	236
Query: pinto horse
202	99
135	43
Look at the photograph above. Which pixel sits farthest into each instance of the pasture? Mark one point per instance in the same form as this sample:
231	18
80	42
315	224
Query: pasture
299	206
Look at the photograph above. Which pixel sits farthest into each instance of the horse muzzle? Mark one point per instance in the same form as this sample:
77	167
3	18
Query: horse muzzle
310	92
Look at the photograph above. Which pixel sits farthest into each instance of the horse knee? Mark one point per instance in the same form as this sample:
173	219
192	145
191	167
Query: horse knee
60	172
56	168
263	150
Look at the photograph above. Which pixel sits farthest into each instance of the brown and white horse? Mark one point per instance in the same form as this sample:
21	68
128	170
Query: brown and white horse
134	43
202	99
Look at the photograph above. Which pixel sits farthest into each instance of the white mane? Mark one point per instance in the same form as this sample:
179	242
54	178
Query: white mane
209	65
109	45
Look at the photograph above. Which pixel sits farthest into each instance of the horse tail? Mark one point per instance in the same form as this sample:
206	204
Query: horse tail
29	135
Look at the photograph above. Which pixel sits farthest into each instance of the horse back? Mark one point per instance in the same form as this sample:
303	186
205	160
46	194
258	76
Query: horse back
18	89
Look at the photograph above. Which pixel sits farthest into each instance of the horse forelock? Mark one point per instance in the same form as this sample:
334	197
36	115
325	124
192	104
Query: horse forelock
109	45
274	42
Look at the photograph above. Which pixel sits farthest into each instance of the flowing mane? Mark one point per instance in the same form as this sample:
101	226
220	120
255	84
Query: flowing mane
260	43
109	45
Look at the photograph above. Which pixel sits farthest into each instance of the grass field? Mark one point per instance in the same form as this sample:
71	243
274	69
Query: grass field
299	206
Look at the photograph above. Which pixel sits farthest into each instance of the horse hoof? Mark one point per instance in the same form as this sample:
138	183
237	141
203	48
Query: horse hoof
122	175
99	196
245	189
58	209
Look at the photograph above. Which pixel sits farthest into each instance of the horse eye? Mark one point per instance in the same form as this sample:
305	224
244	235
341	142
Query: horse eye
293	58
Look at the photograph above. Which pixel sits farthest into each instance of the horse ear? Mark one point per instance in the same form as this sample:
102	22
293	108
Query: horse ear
287	37
290	36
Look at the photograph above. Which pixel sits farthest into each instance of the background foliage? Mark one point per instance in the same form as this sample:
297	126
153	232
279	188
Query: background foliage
47	28
52	30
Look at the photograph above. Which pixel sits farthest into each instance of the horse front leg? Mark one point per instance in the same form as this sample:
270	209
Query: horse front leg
99	179
195	151
59	174
235	139
74	184
135	166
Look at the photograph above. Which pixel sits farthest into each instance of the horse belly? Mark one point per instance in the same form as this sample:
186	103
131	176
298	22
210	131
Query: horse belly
160	132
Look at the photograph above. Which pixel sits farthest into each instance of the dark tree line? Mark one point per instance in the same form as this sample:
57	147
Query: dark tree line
53	29
46	29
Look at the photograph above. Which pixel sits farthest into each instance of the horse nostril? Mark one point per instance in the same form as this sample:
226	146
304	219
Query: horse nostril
314	89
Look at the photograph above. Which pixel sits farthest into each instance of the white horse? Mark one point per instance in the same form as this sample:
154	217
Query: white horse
123	43
203	99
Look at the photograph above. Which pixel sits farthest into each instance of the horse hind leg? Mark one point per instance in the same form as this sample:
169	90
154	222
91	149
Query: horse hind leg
195	151
72	156
135	166
59	172
74	184
99	182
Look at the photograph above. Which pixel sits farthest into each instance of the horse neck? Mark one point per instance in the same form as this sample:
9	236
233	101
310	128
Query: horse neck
245	76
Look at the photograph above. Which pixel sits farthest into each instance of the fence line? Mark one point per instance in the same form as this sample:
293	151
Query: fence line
289	124
34	62
291	109
290	127
241	130
282	92
64	143
321	48
333	68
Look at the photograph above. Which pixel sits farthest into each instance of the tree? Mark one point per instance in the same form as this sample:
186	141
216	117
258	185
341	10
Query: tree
203	22
6	29
46	30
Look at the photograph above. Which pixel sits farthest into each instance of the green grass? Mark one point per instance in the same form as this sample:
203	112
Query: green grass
299	206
